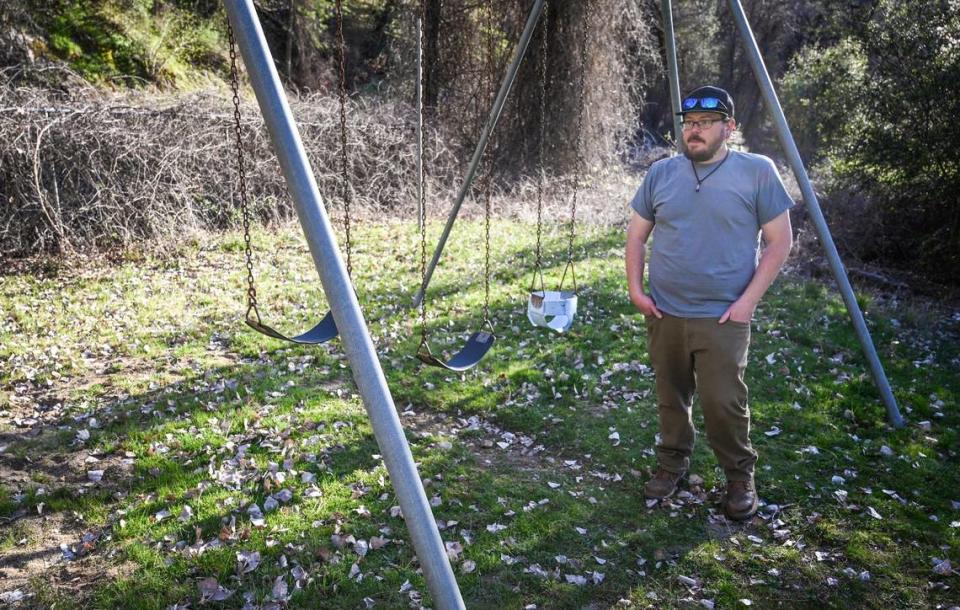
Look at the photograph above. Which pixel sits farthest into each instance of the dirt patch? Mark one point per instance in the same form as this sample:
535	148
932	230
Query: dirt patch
76	473
48	556
57	553
489	444
35	408
32	546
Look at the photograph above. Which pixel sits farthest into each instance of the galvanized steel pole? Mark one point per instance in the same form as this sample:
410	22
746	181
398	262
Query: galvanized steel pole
813	207
670	45
343	302
482	144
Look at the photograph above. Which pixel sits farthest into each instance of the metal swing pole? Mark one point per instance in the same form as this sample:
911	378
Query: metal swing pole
482	143
343	302
813	207
670	44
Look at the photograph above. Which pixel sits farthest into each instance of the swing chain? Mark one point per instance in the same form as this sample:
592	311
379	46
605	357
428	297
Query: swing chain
347	195
422	188
488	182
486	220
578	172
538	268
244	206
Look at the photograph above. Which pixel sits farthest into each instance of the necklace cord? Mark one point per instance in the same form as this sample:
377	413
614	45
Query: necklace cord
710	173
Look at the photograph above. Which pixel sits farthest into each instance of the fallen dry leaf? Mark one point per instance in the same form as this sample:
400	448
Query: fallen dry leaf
248	561
212	591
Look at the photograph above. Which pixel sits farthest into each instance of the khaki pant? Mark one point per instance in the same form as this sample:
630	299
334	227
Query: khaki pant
697	353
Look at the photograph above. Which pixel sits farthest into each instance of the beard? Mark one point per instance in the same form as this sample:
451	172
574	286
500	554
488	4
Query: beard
704	154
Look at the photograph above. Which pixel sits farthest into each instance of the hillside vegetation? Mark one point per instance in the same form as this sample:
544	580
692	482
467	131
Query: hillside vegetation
864	84
120	42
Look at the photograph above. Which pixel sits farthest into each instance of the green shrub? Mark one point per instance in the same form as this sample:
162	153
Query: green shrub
819	93
136	41
871	110
93	45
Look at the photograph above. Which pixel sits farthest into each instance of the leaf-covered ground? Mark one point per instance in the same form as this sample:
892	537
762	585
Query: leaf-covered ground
156	453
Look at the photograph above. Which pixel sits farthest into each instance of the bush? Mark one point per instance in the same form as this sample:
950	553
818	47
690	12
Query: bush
819	93
873	111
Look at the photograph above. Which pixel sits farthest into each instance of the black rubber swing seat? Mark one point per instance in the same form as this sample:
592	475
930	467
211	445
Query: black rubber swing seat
324	331
468	357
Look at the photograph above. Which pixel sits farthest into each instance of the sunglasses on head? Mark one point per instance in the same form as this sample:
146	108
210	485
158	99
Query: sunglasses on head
706	103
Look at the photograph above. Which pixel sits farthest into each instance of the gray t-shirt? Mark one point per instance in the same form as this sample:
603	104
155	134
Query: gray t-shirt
706	244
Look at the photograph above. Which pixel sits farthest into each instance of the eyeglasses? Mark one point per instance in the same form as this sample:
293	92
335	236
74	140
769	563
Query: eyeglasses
702	124
707	103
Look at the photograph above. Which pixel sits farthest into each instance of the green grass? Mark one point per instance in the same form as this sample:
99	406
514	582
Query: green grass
156	351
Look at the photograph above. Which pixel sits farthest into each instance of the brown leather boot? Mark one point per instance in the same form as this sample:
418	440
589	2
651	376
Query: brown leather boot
663	484
741	500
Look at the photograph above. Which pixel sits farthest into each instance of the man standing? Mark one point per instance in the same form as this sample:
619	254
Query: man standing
707	210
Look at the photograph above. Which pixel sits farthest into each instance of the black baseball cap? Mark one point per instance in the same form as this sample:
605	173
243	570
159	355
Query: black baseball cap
707	99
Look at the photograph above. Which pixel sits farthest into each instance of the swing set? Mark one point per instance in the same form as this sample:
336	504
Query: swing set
335	276
480	341
554	309
550	309
326	329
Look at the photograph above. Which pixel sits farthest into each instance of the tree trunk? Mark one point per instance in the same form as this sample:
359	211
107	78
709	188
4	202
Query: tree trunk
431	52
291	34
